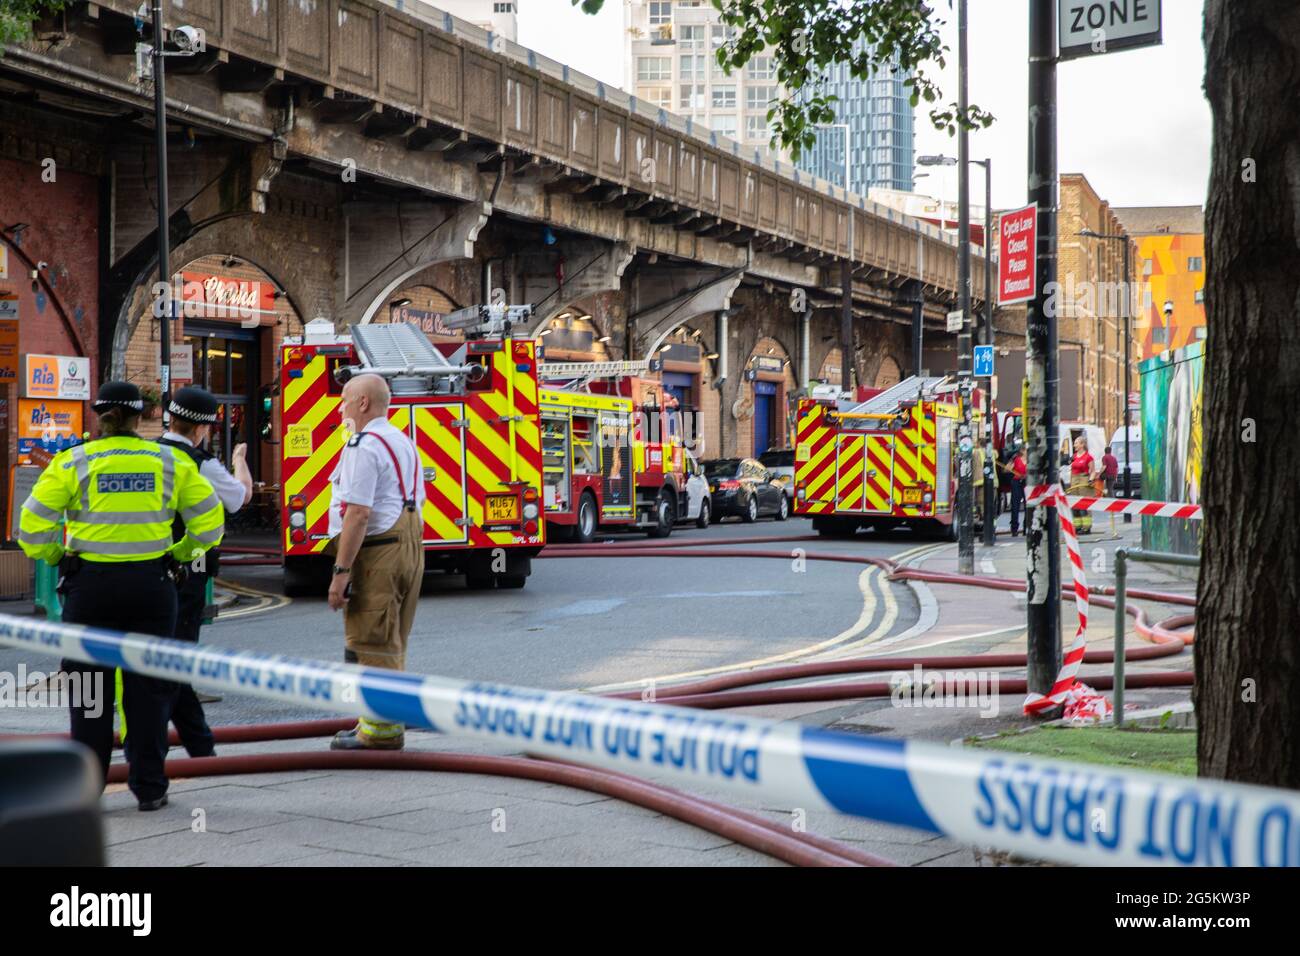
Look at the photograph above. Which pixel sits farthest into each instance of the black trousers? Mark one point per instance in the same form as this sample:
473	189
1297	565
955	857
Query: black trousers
1017	502
187	714
126	596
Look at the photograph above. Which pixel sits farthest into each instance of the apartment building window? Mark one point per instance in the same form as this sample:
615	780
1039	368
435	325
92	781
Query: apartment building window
1199	331
692	97
726	125
882	88
756	128
1159	335
503	8
690	66
1146	267
759	97
882	154
691	33
654	68
724	97
660	96
760	68
1194	264
1200	297
661	12
721	33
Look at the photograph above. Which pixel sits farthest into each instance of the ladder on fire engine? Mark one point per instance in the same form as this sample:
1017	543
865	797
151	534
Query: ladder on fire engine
888	402
574	376
401	354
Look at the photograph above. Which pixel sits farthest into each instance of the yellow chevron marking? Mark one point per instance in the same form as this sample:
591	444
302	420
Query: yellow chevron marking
319	459
297	386
448	441
492	443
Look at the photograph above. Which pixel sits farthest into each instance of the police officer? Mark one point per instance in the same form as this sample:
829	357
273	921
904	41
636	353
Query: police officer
377	529
118	496
193	413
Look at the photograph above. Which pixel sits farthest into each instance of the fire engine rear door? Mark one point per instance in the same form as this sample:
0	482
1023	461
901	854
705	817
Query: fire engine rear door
439	433
849	458
878	470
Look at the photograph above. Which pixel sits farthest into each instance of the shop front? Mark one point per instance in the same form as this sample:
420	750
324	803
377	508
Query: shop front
232	318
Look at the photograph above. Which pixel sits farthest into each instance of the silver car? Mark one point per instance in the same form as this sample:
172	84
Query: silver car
780	462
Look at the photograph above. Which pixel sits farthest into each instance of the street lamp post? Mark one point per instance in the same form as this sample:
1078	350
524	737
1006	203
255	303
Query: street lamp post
1128	354
189	41
986	334
164	236
846	275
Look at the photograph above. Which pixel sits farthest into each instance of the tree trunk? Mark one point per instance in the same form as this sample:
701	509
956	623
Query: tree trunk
1248	621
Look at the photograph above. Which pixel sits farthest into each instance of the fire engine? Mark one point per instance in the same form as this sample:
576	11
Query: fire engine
470	408
611	449
880	457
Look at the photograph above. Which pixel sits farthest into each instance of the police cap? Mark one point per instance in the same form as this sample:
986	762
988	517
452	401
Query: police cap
194	404
118	395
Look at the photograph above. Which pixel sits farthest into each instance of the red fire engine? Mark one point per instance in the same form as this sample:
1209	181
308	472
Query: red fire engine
611	450
470	408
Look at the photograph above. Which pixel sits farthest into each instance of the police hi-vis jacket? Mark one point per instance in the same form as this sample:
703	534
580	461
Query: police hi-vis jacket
119	496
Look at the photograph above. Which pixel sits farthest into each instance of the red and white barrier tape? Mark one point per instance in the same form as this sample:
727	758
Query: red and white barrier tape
1116	506
1080	701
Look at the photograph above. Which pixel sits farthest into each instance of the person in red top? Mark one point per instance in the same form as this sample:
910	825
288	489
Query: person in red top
1109	471
1083	469
1016	470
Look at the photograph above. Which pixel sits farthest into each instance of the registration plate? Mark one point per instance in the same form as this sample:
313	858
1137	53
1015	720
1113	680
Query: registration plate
911	496
502	508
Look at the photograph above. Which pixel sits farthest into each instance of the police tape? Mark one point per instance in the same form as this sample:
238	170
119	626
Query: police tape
1067	690
1040	494
1065	812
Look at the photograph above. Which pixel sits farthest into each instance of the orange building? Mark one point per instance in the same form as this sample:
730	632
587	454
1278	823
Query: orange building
1171	268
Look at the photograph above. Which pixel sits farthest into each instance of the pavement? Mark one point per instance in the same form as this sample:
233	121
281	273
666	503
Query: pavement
414	818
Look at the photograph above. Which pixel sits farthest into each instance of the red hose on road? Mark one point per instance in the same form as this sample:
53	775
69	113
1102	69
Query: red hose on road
813	693
744	828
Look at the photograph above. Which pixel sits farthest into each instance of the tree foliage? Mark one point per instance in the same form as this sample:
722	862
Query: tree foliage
805	37
17	17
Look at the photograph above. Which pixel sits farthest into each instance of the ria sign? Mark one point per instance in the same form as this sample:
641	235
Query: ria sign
1093	27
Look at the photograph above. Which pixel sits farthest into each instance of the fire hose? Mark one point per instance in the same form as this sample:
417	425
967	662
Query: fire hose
1169	637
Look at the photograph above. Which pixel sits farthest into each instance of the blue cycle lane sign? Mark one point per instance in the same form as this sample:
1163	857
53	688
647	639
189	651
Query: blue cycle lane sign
983	361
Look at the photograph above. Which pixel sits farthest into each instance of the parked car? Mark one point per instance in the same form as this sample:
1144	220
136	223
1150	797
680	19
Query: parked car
780	462
743	487
699	506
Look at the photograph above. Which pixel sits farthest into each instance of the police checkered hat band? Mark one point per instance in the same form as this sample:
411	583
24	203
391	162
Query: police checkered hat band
118	395
194	405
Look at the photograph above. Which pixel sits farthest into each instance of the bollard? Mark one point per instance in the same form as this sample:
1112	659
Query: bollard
1121	625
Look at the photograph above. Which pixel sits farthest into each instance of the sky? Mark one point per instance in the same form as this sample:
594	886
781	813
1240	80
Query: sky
1136	122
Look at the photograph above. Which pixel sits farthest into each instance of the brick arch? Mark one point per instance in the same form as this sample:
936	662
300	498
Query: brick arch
226	237
889	372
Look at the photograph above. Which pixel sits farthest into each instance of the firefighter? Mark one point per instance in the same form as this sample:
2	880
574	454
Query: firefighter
118	495
377	532
193	413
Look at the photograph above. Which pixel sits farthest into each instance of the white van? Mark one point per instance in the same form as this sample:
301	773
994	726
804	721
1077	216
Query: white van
1069	431
1135	459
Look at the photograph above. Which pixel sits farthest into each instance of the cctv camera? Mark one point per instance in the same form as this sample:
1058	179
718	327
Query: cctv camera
188	39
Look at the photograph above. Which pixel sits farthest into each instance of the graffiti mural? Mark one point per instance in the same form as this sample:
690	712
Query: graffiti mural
1172	390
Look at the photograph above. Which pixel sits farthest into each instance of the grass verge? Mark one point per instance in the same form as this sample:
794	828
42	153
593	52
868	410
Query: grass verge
1163	751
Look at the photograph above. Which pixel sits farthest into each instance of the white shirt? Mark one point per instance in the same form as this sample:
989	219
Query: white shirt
365	476
229	489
